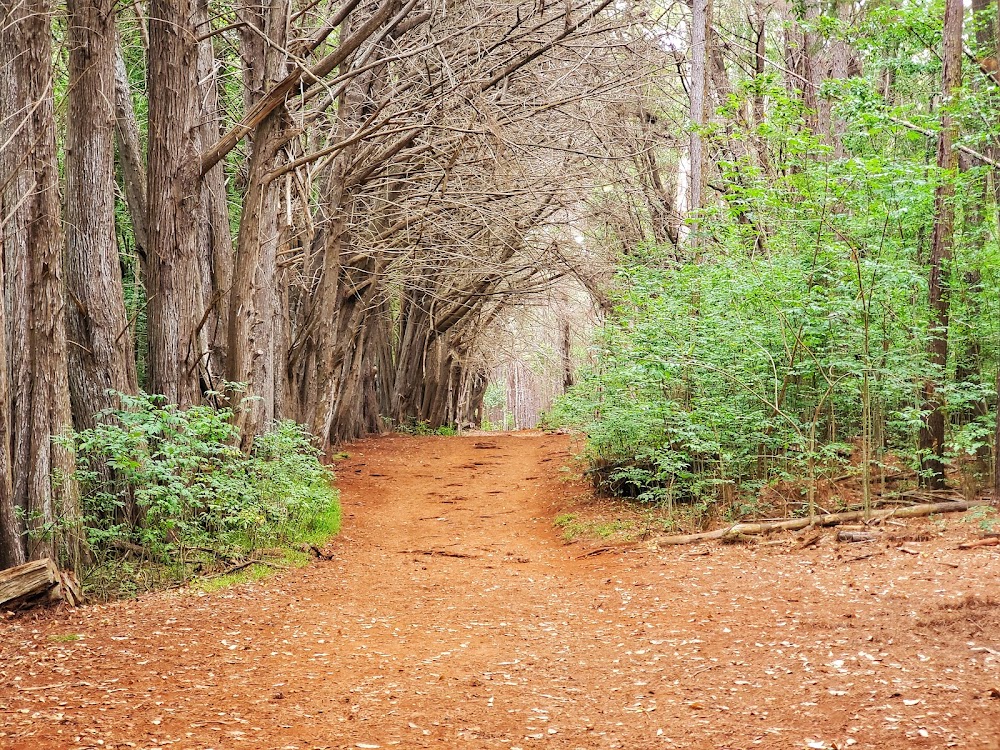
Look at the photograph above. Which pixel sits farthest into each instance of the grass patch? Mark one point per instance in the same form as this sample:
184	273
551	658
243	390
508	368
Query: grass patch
252	573
621	521
321	527
422	428
575	528
66	638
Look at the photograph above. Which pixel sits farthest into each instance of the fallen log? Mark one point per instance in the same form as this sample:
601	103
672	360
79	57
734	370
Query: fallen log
828	519
738	538
37	582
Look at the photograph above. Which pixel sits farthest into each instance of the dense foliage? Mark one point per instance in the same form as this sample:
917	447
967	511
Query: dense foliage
171	485
795	345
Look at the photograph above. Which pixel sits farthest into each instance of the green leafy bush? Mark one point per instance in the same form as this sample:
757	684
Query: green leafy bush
169	484
712	381
790	340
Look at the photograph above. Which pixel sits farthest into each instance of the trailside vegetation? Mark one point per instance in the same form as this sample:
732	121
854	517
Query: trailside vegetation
166	494
830	339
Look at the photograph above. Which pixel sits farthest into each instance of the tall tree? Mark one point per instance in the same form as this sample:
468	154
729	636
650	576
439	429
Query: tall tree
11	548
986	20
932	433
175	303
698	86
101	354
34	293
131	157
215	242
254	304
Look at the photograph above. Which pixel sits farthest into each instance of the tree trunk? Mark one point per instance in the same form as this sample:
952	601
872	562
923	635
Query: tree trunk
33	252
215	242
101	355
987	32
566	349
253	306
932	433
11	547
759	24
130	157
817	70
175	306
701	31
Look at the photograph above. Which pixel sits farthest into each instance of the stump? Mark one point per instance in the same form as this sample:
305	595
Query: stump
38	582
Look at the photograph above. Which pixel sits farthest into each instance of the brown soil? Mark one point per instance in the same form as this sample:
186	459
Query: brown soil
454	615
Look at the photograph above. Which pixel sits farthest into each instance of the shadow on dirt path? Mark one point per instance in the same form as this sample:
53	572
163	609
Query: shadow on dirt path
453	615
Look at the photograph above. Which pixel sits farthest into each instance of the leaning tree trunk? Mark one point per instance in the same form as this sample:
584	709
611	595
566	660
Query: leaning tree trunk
101	355
215	242
932	433
33	255
130	157
175	307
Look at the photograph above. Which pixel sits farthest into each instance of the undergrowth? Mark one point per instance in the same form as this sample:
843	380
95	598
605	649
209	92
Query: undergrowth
713	387
423	428
167	496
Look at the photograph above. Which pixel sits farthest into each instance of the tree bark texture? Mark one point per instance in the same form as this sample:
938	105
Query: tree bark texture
131	158
175	304
37	582
215	242
253	352
11	548
34	293
701	34
986	15
101	354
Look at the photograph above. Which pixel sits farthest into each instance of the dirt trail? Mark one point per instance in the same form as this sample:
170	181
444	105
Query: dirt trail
453	615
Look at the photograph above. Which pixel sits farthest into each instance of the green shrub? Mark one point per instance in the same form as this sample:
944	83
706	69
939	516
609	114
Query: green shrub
172	484
723	377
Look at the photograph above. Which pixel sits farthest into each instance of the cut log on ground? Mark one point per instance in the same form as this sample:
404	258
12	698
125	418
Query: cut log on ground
828	519
37	582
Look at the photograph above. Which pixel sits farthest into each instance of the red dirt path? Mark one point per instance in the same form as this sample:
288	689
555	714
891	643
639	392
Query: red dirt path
454	616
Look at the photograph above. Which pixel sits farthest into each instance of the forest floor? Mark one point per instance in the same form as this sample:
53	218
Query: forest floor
454	615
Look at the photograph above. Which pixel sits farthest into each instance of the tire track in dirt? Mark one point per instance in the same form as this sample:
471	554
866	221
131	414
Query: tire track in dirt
453	615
